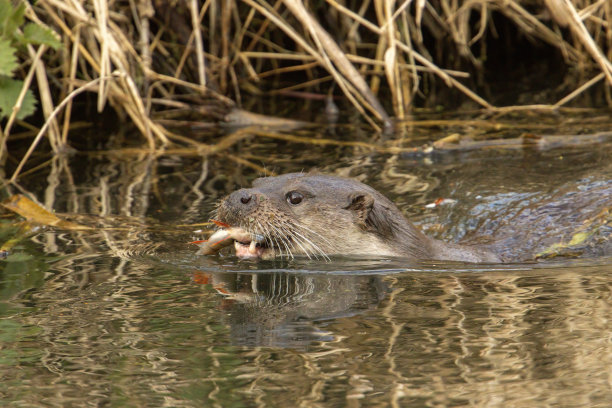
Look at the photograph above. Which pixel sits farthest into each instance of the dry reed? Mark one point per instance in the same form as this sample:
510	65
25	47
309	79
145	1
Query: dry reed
152	59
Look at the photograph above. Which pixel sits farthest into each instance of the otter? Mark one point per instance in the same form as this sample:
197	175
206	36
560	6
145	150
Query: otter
320	215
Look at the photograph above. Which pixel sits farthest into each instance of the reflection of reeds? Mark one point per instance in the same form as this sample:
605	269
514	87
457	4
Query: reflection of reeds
154	57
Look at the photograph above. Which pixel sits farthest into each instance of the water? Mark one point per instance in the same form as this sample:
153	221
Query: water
126	314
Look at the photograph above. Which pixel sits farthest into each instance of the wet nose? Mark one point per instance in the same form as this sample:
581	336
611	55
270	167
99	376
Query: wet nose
243	199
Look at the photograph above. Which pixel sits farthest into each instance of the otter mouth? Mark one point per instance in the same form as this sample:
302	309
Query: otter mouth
252	249
255	245
246	244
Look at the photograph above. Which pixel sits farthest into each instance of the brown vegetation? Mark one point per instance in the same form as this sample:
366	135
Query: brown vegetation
159	61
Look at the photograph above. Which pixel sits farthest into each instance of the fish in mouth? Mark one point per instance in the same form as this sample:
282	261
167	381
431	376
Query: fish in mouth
250	245
255	245
247	245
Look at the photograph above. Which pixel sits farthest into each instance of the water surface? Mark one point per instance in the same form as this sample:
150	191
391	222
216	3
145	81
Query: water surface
126	314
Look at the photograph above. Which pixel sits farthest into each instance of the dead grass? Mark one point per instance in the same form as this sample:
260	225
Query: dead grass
148	58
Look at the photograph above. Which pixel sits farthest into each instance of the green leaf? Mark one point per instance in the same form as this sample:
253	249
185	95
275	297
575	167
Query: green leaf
6	10
14	21
8	60
9	92
37	34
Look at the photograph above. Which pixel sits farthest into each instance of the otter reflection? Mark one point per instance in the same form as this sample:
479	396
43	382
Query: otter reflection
290	310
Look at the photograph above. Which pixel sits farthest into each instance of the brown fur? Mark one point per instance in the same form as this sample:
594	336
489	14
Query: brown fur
335	216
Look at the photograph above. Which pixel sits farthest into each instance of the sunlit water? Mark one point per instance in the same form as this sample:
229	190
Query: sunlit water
127	314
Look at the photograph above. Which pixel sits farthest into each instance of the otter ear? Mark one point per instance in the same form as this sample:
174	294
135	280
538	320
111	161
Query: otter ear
369	213
361	204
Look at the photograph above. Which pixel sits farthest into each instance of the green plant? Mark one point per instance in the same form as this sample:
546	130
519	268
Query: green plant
15	33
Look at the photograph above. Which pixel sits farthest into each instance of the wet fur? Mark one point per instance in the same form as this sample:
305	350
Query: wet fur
336	216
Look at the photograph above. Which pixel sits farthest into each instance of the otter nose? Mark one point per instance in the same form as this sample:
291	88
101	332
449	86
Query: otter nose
243	199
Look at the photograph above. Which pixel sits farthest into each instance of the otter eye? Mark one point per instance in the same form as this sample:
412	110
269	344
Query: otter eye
294	197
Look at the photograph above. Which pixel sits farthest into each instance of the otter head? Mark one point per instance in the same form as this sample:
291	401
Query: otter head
316	216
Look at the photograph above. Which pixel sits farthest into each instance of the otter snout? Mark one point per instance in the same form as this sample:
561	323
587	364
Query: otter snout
239	206
242	199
